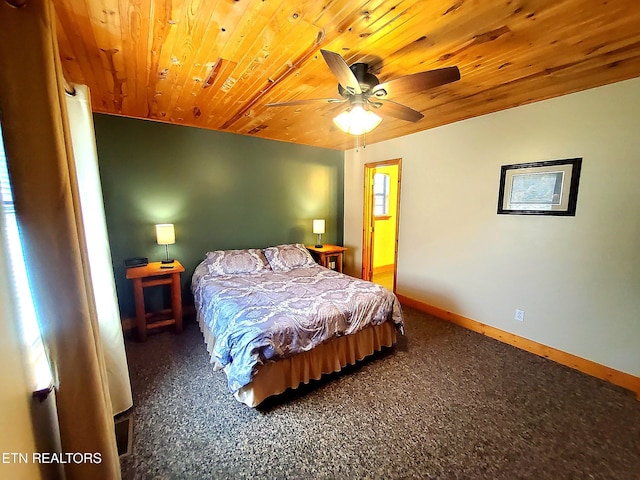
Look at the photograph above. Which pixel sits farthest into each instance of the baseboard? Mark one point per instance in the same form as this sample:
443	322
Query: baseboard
583	365
384	268
128	324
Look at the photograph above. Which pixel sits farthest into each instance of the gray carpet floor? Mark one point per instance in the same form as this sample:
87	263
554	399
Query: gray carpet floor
444	403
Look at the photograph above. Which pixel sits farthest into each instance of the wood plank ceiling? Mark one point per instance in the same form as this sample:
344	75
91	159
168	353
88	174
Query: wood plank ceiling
216	63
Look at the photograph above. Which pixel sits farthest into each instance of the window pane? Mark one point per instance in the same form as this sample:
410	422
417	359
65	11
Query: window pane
379	183
381	194
41	373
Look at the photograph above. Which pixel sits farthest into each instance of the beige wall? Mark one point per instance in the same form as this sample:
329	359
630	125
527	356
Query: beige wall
576	278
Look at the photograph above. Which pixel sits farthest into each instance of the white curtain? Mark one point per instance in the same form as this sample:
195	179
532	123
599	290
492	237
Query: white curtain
95	228
15	394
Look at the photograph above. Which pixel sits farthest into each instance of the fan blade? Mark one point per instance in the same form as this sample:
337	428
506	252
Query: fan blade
416	82
398	111
306	102
341	70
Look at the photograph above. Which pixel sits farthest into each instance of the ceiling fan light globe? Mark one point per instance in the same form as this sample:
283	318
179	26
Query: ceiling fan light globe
357	121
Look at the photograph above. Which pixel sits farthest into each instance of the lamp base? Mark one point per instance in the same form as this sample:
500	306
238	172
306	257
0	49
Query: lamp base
319	246
168	261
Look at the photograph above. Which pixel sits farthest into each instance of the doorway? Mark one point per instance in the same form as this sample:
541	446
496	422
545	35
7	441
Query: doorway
381	220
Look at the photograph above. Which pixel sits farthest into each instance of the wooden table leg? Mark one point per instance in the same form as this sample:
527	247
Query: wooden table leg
141	320
339	262
176	301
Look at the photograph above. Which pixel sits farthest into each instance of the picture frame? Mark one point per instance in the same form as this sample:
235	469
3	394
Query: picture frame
540	188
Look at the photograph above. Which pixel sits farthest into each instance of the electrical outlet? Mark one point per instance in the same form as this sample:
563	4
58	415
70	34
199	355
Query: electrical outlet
520	315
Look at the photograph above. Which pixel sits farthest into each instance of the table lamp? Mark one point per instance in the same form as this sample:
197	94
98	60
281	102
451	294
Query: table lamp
166	235
318	229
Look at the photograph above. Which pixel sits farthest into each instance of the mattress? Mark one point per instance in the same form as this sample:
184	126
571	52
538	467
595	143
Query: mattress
281	328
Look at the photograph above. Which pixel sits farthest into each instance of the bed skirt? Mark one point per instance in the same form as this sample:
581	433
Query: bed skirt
275	377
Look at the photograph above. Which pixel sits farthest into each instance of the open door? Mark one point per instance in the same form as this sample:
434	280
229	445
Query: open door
381	220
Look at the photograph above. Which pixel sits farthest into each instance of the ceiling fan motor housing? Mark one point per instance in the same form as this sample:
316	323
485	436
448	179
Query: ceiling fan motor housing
366	80
364	92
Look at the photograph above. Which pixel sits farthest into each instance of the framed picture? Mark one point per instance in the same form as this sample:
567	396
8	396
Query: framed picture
540	188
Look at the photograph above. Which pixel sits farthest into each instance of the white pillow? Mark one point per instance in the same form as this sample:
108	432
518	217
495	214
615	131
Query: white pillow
229	262
283	258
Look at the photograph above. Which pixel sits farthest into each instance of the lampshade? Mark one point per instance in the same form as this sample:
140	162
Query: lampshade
318	226
357	120
165	234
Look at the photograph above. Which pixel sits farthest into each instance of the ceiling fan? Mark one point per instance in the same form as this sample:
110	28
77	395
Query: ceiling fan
365	93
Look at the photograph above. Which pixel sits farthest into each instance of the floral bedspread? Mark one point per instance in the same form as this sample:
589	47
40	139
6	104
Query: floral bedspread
270	315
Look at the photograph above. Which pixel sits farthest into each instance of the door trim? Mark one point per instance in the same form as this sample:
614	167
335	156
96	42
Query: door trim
368	222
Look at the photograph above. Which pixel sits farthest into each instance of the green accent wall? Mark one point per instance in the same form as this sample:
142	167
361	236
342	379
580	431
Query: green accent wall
222	191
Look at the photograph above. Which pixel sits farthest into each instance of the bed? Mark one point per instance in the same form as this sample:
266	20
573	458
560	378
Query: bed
272	318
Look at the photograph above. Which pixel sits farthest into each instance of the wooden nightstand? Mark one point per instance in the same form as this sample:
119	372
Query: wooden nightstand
324	254
152	275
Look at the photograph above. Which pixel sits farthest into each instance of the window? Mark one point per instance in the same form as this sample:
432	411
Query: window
380	194
41	372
